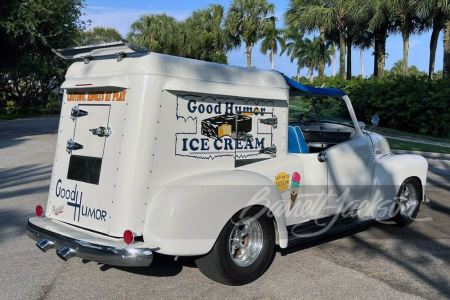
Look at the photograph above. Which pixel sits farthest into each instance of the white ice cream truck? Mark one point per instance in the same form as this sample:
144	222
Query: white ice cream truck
161	154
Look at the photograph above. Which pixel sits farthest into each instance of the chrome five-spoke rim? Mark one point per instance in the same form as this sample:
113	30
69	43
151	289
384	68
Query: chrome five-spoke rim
246	241
408	200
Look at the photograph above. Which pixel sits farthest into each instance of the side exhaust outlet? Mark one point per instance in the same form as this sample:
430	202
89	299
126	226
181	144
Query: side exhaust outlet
45	245
66	253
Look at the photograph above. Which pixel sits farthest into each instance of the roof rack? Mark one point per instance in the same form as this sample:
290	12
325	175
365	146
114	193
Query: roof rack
121	49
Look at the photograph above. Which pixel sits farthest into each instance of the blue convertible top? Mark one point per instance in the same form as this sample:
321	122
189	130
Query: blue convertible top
298	89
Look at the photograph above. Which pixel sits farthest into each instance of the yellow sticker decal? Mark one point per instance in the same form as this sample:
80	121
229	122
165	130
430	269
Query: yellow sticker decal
282	181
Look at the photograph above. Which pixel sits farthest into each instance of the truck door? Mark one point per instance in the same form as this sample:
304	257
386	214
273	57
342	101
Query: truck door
87	146
349	175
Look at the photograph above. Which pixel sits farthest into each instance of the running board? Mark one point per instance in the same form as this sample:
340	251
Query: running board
311	230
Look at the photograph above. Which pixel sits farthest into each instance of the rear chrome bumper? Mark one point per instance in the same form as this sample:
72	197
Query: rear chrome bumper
69	243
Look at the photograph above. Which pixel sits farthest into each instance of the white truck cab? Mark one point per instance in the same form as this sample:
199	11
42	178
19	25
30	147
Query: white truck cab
163	154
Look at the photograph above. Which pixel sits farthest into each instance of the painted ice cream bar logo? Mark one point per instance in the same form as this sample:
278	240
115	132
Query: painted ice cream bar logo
74	199
216	127
282	183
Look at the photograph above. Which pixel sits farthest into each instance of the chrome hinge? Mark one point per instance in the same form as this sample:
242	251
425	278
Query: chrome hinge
76	113
71	146
272	151
242	136
101	131
270	121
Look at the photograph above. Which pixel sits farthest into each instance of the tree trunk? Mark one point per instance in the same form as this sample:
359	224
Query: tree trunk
349	57
271	58
322	53
311	74
375	58
334	59
249	55
341	54
381	49
447	51
405	36
298	72
362	62
433	47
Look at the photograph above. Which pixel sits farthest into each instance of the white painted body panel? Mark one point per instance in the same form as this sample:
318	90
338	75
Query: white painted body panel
167	177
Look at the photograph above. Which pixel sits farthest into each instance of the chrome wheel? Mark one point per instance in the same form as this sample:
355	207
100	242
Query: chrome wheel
246	241
408	200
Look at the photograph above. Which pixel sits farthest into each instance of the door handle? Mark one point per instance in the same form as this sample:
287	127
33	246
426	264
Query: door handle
101	131
322	157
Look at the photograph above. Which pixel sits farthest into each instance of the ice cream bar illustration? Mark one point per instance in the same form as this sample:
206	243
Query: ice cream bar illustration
295	184
224	125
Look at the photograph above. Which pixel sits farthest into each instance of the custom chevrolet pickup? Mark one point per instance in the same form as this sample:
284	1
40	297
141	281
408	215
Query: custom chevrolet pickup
162	154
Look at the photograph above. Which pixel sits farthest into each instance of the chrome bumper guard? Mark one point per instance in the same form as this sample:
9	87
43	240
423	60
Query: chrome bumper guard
105	251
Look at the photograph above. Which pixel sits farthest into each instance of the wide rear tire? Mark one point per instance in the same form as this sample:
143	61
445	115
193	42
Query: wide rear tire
243	250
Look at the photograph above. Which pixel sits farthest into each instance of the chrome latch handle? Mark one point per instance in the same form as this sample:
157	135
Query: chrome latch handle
272	151
76	113
101	131
270	121
242	136
72	145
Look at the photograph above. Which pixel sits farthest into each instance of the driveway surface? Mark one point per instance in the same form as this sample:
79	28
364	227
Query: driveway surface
380	261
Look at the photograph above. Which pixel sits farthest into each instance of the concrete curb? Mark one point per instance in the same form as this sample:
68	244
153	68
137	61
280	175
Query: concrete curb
432	155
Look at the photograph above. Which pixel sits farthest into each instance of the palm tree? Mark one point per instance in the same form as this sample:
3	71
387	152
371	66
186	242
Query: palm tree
159	33
310	55
407	22
439	12
364	41
379	15
245	20
204	35
293	43
324	15
271	38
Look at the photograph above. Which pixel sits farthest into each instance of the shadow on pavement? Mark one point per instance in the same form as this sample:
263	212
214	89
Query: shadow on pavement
162	266
13	132
24	180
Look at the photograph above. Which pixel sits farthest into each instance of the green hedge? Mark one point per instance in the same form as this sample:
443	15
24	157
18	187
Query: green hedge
412	104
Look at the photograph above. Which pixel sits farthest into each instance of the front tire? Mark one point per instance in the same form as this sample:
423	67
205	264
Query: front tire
408	202
243	250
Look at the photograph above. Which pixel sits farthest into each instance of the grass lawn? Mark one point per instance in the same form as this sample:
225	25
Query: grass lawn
403	134
414	146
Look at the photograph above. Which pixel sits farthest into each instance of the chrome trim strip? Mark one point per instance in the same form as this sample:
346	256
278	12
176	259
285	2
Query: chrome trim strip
110	255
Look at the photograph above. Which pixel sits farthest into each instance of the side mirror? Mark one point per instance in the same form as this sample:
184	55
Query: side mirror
375	120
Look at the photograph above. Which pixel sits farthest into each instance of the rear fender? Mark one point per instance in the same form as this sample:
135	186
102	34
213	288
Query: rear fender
186	216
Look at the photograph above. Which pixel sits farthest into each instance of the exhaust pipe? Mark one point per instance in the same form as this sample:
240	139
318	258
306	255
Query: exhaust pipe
66	253
45	245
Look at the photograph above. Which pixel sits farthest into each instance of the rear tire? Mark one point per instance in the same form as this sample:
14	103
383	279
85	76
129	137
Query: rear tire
408	202
243	250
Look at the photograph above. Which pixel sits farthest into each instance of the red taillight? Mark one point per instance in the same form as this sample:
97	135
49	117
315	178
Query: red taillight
39	211
128	237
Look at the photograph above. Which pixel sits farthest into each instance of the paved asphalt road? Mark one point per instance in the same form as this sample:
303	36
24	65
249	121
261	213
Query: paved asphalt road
382	261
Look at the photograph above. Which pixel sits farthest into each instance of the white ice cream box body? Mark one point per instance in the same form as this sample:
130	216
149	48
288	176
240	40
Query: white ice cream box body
163	154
